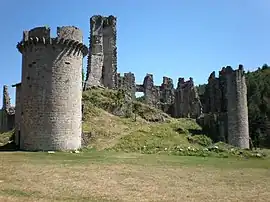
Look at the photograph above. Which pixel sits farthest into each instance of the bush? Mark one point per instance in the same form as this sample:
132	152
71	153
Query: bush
200	139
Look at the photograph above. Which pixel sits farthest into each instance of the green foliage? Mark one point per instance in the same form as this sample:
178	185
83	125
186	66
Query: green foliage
140	99
202	140
258	95
114	100
258	88
6	137
105	99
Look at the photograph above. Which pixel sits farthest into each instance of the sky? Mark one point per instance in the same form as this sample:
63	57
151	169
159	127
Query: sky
173	38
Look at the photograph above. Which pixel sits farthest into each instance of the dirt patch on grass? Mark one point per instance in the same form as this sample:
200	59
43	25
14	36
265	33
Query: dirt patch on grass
23	179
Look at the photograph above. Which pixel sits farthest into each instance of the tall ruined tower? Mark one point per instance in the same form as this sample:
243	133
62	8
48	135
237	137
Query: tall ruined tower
225	115
51	89
237	109
102	58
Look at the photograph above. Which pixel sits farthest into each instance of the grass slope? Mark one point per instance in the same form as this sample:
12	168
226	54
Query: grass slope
170	136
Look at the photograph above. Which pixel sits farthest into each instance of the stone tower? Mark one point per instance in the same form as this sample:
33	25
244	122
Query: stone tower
237	109
6	98
225	115
102	58
51	89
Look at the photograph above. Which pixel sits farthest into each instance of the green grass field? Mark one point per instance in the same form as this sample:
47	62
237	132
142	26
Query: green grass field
118	176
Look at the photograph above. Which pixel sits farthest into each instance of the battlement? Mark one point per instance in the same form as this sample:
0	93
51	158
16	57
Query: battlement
183	84
67	35
107	21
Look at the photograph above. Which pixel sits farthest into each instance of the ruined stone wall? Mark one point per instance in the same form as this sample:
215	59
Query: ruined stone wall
151	92
102	59
238	129
167	95
187	102
180	102
17	114
51	89
127	83
95	56
7	113
225	110
109	51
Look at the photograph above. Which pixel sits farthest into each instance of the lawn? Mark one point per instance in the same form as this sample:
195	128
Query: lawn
118	176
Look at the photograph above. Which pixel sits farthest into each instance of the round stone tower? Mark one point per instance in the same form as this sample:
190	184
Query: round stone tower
237	109
51	89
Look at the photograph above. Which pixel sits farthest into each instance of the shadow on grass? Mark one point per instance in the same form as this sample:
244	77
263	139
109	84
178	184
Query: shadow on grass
195	132
8	147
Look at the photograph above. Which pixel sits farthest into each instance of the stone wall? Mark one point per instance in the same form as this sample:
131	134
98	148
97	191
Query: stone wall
7	113
180	102
51	90
18	114
167	95
187	102
102	58
127	83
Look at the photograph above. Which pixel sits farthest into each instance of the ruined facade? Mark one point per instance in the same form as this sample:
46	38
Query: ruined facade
225	107
48	115
102	71
127	83
7	113
187	102
180	102
102	58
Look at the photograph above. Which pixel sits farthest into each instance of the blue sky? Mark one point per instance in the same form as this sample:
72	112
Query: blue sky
174	38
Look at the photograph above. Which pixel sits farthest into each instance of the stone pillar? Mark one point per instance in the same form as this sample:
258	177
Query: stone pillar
102	59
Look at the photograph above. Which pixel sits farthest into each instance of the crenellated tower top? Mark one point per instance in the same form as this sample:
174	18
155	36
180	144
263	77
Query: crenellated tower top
69	36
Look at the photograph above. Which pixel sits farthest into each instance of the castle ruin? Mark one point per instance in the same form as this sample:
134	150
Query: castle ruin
102	58
102	71
225	114
48	99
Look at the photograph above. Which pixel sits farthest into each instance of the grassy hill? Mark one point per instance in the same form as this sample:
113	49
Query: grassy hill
152	132
113	122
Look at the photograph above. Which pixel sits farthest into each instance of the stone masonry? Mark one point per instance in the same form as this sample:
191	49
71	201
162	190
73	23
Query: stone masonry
51	91
225	107
127	83
187	102
102	58
17	114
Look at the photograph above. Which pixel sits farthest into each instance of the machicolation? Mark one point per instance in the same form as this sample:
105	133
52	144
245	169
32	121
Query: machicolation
48	100
51	90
